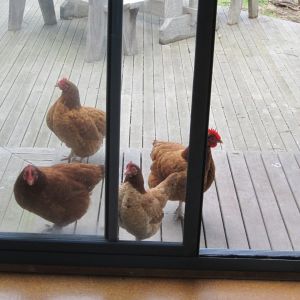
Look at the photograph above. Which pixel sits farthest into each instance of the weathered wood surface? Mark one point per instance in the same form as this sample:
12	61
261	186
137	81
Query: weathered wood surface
253	204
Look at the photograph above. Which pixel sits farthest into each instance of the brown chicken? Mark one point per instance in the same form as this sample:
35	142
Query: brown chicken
141	211
171	157
81	128
59	194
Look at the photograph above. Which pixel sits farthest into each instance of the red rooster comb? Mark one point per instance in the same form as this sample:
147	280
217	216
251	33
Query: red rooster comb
131	169
214	132
129	164
63	80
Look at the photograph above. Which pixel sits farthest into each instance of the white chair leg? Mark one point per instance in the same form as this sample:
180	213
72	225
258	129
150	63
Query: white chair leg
253	8
16	12
47	8
234	11
96	32
129	30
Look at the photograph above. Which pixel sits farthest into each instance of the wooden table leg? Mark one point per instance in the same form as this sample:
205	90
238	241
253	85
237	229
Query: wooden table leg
16	12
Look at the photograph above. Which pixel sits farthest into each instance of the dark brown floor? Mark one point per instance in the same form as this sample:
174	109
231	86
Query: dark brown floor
16	286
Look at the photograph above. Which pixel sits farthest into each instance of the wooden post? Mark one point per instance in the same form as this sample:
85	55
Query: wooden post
253	8
234	11
47	8
96	32
16	12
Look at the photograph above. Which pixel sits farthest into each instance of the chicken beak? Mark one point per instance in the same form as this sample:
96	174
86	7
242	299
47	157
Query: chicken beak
220	141
30	181
56	85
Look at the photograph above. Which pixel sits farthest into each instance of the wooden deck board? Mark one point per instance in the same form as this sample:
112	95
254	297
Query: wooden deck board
276	229
248	202
284	196
148	103
230	207
52	72
161	124
213	221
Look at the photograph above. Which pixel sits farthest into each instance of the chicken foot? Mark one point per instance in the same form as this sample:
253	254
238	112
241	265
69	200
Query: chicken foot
179	215
71	156
52	229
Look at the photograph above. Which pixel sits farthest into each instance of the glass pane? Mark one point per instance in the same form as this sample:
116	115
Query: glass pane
53	94
254	202
156	100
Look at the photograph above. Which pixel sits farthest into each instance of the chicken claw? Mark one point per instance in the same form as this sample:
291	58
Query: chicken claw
72	157
69	157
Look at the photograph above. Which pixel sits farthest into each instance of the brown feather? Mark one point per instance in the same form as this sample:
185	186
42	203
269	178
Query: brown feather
61	193
169	158
140	210
81	128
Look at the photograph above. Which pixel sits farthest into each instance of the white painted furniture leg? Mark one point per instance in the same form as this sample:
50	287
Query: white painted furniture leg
47	8
253	8
16	12
96	32
234	11
129	30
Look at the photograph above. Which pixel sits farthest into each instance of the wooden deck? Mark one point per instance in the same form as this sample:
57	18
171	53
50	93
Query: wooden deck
253	204
255	106
255	93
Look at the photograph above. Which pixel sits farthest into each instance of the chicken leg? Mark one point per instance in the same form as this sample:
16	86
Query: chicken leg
179	215
71	156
